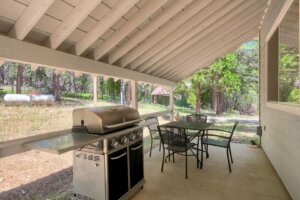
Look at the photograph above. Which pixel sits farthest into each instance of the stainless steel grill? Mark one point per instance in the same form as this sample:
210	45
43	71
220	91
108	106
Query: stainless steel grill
111	168
108	162
102	120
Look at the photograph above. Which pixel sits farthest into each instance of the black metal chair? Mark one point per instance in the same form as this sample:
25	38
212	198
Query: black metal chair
175	142
195	118
152	127
219	141
193	134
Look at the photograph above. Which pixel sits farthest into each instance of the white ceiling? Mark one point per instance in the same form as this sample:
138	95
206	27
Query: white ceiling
169	39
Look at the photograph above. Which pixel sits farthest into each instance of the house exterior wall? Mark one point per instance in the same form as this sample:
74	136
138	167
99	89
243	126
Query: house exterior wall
281	135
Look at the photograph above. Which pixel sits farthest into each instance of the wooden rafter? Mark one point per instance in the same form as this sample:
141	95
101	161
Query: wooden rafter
165	30
243	32
171	44
210	34
29	18
103	25
138	18
165	55
158	21
71	22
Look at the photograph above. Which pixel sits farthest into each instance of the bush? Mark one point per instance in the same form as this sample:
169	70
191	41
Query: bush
79	95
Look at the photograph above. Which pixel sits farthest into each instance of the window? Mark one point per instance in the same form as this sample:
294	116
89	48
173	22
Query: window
283	59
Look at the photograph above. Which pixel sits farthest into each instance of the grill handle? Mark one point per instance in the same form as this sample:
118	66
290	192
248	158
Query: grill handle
122	124
135	148
118	157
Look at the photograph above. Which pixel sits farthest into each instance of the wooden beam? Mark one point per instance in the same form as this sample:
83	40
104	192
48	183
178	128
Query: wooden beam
279	18
213	33
155	63
137	19
212	54
103	25
29	18
168	28
12	49
71	22
158	21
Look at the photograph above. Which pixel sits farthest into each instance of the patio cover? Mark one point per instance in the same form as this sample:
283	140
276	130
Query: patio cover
156	41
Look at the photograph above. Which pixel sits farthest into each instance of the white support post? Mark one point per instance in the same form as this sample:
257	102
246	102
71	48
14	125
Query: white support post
134	94
95	89
171	104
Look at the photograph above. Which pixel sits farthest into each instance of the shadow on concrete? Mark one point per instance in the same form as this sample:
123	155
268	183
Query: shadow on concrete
54	186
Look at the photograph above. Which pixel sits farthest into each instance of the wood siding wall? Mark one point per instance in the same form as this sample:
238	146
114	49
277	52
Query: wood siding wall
281	136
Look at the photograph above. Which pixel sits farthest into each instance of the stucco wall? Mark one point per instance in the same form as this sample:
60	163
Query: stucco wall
281	138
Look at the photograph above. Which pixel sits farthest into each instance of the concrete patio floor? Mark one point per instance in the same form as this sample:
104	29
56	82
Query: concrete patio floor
252	177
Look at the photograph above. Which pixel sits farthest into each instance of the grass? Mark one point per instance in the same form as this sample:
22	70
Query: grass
23	121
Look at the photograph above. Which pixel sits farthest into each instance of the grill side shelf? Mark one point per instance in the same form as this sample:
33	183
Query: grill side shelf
63	143
73	140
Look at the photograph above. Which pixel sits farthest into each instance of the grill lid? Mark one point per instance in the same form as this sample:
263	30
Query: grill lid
100	120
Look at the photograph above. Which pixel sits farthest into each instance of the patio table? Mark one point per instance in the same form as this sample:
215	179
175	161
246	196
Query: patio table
198	126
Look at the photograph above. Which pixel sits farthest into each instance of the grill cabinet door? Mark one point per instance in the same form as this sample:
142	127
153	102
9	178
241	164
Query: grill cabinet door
117	174
136	163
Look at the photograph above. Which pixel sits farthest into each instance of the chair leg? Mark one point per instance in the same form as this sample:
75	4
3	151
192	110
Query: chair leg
159	145
201	164
206	149
186	165
198	151
163	161
230	154
228	159
151	141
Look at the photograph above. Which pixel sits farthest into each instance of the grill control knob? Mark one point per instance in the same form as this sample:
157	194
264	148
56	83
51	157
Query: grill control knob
139	134
114	143
124	140
132	136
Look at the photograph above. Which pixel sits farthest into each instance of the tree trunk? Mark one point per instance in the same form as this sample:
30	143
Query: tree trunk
122	92
72	85
214	100
146	93
220	103
1	75
7	74
56	86
19	82
128	96
198	99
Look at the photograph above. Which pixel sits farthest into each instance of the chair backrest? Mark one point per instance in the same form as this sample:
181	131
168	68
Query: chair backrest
196	118
169	134
154	123
233	129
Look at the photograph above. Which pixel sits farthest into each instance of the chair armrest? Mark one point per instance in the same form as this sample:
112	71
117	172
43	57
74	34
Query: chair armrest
216	129
220	136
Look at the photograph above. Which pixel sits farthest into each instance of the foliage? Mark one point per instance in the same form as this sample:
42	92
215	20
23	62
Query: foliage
294	95
288	73
235	75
